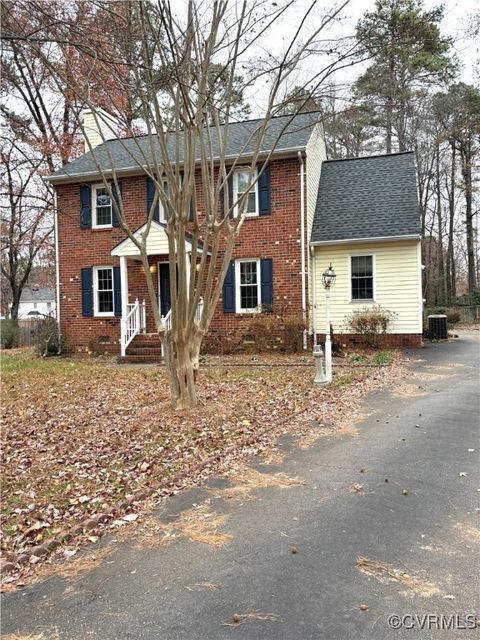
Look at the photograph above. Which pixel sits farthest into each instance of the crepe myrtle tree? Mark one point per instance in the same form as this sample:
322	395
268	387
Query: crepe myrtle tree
187	130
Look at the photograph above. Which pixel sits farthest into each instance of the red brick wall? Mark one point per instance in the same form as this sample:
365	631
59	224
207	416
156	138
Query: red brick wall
276	236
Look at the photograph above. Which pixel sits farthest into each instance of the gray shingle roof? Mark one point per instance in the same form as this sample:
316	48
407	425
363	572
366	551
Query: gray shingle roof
369	197
43	294
288	133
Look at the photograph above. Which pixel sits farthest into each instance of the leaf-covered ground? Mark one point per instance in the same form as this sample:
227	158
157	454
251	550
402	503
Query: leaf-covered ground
80	436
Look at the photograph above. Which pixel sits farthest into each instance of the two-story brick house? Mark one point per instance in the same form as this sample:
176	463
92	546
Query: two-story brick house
266	269
101	285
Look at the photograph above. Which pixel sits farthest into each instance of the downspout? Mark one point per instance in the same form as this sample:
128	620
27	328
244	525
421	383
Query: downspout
57	263
302	243
314	296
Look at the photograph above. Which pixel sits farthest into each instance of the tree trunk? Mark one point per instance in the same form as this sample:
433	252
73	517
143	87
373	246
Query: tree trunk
440	256
182	361
15	307
467	178
388	124
451	274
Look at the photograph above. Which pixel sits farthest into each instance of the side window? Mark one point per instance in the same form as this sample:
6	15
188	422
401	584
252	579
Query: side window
361	269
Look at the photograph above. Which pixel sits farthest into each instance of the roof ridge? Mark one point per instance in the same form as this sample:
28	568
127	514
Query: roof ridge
284	115
375	155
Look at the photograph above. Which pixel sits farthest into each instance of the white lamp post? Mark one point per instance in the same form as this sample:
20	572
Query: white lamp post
328	280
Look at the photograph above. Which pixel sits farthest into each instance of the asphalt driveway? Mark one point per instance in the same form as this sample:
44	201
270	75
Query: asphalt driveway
415	521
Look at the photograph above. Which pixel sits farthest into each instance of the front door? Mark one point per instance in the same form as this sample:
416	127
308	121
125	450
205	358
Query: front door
164	287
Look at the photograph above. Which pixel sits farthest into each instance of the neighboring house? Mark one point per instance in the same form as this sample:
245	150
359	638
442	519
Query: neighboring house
36	303
100	276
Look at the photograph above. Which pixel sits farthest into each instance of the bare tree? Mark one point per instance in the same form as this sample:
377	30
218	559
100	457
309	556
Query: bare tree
25	227
185	150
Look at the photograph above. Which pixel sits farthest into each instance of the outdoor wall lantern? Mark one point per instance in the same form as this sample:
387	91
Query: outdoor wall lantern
328	279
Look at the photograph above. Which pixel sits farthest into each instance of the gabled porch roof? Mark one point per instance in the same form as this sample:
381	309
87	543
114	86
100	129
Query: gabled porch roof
157	242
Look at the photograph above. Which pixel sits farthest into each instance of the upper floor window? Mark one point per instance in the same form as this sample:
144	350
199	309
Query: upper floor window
103	291
165	210
101	206
241	181
248	293
362	277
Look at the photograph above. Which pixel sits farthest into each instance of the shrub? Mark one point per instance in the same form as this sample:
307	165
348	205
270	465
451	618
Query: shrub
371	323
382	357
9	334
47	339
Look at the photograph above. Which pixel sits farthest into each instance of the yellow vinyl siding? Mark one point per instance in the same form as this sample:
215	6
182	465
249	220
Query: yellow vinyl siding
397	283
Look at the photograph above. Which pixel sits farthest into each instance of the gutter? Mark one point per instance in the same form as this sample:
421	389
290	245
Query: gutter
302	243
320	243
57	264
137	169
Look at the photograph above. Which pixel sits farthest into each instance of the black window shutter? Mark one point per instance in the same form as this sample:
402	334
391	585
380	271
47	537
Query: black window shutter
85	207
264	192
229	199
229	289
190	210
117	193
266	283
151	189
117	292
87	291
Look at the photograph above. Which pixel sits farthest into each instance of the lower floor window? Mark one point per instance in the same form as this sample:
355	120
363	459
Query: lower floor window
248	294
103	291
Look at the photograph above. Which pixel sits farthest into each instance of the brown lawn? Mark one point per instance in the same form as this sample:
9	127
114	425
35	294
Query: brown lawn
80	436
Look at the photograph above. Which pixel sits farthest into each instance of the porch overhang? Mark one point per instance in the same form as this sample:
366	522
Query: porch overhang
157	243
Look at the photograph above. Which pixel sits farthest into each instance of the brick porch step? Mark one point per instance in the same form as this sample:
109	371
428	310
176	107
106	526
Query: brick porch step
146	359
145	348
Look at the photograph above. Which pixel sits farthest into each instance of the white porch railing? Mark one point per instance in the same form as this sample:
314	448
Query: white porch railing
132	324
135	322
167	319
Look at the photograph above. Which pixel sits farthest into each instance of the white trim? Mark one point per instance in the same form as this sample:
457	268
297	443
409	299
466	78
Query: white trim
94	187
319	243
302	244
258	308
374	278
420	292
96	312
253	214
124	285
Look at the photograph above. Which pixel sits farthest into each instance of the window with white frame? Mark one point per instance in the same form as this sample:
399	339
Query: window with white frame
101	206
103	291
164	210
248	289
241	181
362	277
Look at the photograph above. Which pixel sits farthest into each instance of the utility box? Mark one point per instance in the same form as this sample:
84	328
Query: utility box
437	327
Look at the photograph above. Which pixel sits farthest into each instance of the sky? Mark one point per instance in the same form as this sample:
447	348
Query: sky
455	22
